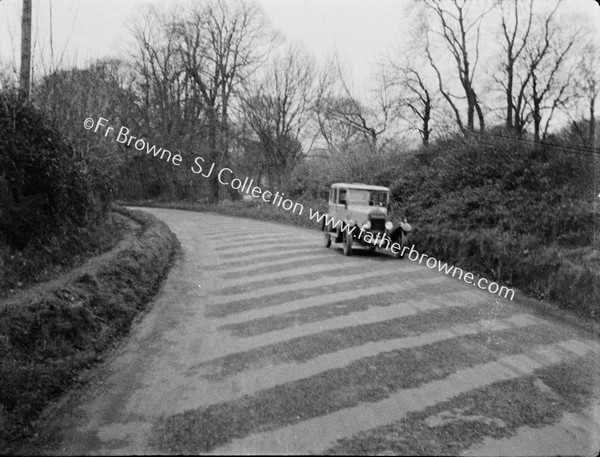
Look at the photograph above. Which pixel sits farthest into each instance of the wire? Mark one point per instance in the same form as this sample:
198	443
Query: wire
584	150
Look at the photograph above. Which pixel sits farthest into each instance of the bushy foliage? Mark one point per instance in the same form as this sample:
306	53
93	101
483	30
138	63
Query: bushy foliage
510	185
46	187
516	212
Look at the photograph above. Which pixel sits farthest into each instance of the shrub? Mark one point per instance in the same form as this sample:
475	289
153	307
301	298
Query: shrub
517	212
517	187
46	187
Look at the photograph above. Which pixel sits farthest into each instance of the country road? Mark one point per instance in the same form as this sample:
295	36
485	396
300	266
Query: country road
267	342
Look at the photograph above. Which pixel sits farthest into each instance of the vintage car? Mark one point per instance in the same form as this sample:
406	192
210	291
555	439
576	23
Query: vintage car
358	215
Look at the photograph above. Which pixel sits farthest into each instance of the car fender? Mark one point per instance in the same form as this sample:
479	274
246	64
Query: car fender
406	227
403	227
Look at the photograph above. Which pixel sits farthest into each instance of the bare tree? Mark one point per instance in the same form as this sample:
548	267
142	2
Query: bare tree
587	84
515	33
220	44
337	134
545	73
341	111
279	109
459	30
166	102
415	96
160	78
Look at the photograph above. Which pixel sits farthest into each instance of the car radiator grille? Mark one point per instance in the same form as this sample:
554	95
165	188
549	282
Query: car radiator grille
377	224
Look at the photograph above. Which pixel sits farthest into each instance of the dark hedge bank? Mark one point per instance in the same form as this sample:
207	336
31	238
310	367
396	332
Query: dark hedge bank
46	342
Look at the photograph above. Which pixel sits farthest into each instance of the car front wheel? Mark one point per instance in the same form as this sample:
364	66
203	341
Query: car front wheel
327	242
347	246
402	241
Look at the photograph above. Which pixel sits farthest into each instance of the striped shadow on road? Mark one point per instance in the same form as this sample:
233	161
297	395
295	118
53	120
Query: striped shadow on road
367	380
266	241
452	426
457	298
245	284
372	316
409	323
251	260
405	298
275	295
269	375
274	266
277	248
483	397
249	233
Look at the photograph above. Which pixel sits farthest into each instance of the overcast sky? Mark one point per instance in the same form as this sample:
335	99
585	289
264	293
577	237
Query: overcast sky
359	30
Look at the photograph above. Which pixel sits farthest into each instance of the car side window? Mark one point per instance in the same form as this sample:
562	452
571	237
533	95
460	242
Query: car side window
342	197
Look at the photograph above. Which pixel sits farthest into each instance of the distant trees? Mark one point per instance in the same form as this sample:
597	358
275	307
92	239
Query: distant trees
190	65
219	43
159	81
534	44
343	117
203	80
538	66
587	84
278	108
167	106
338	134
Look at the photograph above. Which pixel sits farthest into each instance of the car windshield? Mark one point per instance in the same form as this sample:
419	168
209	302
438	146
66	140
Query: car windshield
367	197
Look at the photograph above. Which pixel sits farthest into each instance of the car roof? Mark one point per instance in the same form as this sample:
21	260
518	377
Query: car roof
359	186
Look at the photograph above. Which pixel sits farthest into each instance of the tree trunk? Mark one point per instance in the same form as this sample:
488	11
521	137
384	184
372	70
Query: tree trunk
509	99
213	196
536	112
480	116
537	119
592	127
426	132
470	112
25	49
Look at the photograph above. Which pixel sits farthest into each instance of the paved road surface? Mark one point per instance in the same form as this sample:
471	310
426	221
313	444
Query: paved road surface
270	343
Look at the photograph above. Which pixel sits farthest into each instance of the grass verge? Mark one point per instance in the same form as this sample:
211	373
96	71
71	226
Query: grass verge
47	342
569	278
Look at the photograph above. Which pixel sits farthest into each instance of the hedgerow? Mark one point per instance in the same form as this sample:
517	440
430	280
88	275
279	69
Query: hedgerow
47	341
517	212
46	187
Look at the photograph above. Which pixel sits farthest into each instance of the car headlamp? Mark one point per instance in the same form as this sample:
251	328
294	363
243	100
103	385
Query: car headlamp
389	225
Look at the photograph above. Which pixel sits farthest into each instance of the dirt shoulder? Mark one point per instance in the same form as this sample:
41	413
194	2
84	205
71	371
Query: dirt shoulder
53	331
91	265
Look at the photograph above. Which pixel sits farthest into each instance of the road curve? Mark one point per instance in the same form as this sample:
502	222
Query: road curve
263	341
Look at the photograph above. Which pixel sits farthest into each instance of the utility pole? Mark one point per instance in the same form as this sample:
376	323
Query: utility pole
25	76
